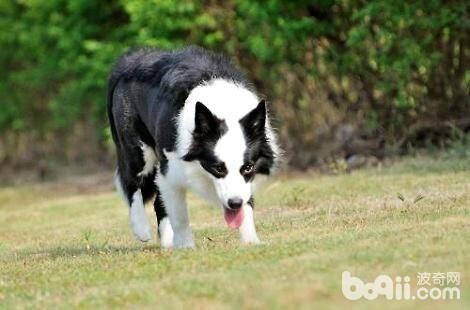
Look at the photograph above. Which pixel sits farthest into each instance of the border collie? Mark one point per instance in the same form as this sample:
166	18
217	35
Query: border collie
187	120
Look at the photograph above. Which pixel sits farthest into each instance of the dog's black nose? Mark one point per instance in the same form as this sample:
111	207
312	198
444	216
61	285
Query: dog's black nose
235	203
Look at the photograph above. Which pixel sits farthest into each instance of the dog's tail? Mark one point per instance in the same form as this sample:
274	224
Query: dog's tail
124	68
112	82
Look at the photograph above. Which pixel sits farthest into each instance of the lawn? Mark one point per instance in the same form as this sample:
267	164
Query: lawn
67	245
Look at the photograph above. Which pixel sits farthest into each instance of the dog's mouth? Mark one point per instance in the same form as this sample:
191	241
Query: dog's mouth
233	217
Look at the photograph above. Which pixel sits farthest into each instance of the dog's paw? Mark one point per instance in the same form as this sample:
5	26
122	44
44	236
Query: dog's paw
143	234
184	244
251	240
183	240
187	245
138	220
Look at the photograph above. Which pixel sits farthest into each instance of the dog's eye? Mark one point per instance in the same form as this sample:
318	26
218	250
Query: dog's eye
220	169
247	169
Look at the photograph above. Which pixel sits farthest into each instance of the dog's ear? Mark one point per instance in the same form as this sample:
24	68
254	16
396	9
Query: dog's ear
255	121
208	129
205	121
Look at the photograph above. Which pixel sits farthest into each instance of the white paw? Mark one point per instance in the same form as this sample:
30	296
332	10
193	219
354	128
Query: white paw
166	233
251	240
143	234
139	222
183	240
184	244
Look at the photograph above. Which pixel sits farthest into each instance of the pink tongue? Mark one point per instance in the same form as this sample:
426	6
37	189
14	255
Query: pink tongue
234	218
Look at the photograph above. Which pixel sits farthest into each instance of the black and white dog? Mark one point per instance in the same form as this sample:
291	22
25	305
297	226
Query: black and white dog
187	120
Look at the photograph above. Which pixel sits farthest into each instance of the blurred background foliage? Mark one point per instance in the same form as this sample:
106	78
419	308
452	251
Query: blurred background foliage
343	77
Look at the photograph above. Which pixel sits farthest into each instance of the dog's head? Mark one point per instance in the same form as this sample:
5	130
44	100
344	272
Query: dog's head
232	152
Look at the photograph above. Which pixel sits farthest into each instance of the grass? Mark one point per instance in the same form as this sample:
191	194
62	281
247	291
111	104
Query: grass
75	249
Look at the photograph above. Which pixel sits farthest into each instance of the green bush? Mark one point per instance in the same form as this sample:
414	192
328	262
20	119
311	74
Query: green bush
378	66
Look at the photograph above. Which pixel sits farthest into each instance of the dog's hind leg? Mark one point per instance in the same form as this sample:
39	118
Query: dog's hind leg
136	157
139	222
138	219
165	231
135	178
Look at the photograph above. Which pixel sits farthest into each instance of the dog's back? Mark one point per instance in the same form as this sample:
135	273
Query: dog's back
154	85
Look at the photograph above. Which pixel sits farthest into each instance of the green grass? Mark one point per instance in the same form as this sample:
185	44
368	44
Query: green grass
76	249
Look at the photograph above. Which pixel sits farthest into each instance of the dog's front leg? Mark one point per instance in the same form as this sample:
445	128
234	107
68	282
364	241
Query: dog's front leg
174	199
247	229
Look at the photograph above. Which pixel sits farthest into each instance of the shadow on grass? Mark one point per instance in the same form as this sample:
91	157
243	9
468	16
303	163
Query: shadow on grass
81	250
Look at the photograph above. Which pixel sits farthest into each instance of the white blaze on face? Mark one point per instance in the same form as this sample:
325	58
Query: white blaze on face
229	102
230	149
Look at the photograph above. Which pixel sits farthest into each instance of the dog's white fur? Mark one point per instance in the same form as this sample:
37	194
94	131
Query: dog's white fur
150	159
166	233
139	220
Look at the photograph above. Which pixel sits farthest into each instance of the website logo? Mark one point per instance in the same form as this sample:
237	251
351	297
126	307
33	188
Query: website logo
435	286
